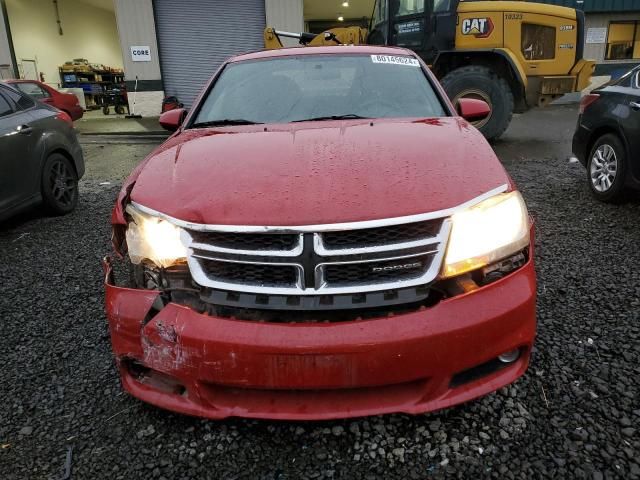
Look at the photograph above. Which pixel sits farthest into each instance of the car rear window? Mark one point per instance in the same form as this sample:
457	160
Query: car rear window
295	88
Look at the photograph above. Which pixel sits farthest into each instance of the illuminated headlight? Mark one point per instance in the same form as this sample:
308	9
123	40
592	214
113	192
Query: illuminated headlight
486	233
151	238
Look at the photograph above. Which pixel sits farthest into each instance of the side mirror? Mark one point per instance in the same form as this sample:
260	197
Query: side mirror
172	119
473	109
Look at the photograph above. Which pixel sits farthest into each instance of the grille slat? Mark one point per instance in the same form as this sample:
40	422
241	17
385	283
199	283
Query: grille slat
259	242
248	273
376	272
409	232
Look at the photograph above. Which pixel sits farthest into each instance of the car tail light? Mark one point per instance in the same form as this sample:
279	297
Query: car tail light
64	117
588	100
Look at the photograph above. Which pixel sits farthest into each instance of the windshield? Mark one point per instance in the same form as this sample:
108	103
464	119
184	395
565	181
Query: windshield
297	88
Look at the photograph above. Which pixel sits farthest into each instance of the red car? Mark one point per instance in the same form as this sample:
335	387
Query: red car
323	236
67	102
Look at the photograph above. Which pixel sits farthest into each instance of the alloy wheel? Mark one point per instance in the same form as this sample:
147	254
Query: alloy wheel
62	183
604	167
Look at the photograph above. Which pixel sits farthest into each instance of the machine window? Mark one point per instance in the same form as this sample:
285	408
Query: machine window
538	42
410	7
623	40
441	6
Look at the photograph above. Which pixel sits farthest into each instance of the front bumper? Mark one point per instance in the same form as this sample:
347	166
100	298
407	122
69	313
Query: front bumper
214	367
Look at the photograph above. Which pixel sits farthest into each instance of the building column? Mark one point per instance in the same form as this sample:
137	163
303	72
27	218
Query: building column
137	28
7	60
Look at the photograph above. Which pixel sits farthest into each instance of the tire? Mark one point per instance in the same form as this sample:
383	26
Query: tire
480	82
607	169
119	109
105	110
59	185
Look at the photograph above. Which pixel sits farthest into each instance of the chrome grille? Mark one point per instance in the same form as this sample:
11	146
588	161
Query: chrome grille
332	262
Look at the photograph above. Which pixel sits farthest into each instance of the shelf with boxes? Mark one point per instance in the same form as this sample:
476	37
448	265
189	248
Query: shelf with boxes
102	85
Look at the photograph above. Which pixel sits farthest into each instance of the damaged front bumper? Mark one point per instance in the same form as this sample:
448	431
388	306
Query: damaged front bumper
176	358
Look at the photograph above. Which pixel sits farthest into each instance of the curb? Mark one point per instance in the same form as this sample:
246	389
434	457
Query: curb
150	133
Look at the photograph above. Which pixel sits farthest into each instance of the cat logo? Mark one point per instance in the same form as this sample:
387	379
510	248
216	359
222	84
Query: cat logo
479	27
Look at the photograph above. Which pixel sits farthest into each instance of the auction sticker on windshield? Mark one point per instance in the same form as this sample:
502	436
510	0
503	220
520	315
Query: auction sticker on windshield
408	61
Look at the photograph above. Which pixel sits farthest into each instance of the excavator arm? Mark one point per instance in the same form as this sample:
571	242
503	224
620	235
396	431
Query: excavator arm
335	36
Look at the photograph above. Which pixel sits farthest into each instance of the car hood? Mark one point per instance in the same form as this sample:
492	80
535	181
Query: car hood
318	173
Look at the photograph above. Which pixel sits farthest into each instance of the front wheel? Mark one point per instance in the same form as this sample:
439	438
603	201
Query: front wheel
59	185
482	83
606	168
105	110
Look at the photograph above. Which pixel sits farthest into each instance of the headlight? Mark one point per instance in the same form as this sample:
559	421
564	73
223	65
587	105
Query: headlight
486	233
154	239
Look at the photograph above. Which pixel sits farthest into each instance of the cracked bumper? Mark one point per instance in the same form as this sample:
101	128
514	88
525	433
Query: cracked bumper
218	367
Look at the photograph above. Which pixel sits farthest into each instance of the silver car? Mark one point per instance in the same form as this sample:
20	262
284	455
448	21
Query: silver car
40	157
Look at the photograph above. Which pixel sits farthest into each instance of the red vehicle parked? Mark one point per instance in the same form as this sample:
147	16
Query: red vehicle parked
67	102
323	236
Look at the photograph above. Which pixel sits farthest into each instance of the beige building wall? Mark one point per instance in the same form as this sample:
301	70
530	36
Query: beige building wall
596	51
137	27
88	32
285	15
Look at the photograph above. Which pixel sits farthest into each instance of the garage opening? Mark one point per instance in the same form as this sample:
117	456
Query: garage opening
69	45
320	15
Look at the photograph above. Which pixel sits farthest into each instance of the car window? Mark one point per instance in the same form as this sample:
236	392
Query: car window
32	89
22	101
5	108
629	79
288	89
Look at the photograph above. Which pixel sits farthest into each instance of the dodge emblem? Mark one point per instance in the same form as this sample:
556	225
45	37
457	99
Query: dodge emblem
394	268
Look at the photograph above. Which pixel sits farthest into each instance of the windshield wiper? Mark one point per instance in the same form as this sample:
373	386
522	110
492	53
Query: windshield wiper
346	116
223	122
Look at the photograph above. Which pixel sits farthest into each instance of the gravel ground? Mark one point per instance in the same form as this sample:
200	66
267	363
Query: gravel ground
575	414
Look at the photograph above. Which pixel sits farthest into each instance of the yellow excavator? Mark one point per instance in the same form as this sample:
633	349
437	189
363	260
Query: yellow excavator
512	54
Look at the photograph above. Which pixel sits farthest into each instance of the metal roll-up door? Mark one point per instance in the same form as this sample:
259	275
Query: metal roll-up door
196	36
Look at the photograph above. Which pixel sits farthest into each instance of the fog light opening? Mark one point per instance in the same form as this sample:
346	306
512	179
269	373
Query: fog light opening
510	356
155	379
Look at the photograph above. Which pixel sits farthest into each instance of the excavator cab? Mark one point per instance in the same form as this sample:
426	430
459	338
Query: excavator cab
425	26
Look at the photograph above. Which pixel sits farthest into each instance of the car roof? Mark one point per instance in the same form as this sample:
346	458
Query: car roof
21	80
323	50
